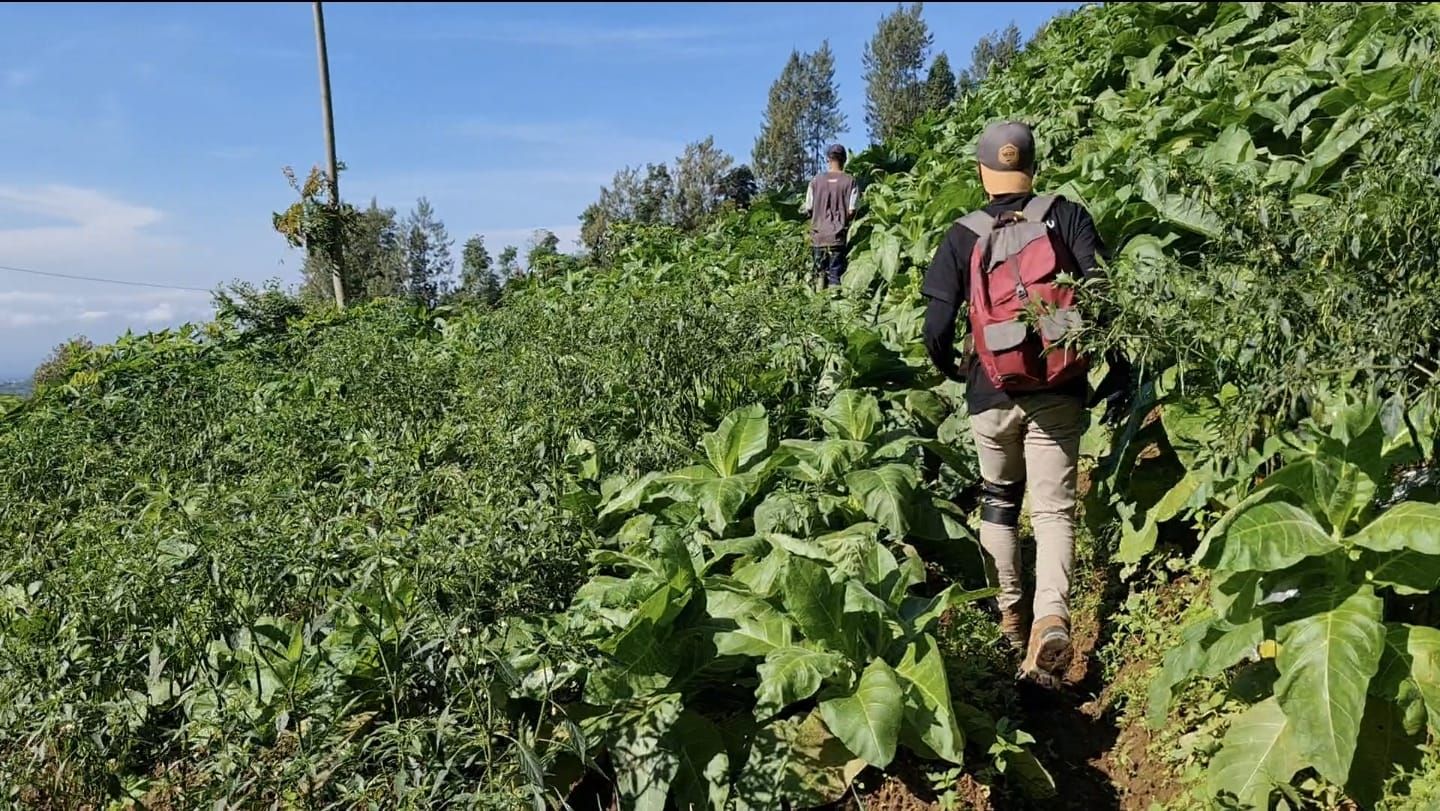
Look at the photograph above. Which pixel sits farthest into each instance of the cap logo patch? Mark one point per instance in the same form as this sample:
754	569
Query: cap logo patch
1009	156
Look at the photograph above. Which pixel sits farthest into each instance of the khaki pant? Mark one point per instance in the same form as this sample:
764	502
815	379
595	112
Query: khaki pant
1034	442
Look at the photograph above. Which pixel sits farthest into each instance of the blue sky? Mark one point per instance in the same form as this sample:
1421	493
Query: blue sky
145	142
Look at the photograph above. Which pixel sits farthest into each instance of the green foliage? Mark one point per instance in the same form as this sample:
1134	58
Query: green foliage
283	534
688	197
1300	566
61	362
423	556
754	591
1289	180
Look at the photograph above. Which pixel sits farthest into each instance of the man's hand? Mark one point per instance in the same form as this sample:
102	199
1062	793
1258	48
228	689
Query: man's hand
1117	405
1115	390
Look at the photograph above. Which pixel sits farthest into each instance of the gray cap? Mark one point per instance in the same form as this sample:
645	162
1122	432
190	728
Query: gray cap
1008	146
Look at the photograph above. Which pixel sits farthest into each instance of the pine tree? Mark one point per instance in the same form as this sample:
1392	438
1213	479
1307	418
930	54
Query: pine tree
478	281
940	84
893	59
779	155
427	254
995	51
821	119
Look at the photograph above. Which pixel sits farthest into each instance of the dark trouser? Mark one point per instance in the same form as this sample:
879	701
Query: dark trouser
829	264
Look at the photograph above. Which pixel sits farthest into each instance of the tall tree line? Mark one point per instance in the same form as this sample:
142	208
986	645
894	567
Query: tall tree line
703	180
390	256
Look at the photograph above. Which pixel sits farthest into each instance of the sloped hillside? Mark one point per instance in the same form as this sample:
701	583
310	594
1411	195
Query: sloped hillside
677	531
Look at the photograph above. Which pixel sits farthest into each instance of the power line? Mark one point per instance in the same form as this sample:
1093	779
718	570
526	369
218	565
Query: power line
106	281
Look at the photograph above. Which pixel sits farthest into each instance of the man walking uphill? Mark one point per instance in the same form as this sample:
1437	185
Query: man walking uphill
1025	388
830	201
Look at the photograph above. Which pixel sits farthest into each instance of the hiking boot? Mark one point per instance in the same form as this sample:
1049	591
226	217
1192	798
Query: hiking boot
1050	652
1015	626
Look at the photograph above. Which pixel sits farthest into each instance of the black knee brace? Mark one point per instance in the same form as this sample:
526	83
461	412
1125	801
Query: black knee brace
1000	503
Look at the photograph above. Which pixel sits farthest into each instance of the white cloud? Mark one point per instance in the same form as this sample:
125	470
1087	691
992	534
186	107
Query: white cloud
87	208
158	314
24	308
84	231
21	320
17	297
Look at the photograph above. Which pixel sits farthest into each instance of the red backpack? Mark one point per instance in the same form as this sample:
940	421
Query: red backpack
1019	314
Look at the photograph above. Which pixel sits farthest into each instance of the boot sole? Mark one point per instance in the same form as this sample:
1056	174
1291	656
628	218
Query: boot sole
1051	661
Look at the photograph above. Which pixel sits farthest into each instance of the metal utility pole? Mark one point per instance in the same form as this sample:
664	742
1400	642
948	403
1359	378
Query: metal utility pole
337	251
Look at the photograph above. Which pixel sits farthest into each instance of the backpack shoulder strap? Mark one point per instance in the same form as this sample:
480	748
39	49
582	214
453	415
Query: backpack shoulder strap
1037	208
978	223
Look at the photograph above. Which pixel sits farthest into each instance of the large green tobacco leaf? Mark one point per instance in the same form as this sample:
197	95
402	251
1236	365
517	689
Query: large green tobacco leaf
927	407
919	613
1136	544
1234	595
796	760
1190	427
721	499
702	778
816	604
743	435
885	494
1259	752
853	414
928	711
630	497
1326	662
857	552
868	720
641	662
791	674
759	628
1333	487
823	460
1410	526
644	765
790	513
765	576
1384	748
1406	572
1232	646
1409	673
1271	535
